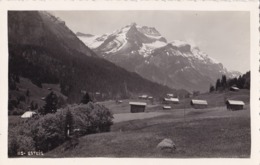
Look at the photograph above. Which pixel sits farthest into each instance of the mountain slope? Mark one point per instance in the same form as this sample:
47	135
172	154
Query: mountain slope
44	50
143	50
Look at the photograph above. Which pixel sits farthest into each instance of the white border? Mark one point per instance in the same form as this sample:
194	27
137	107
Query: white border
132	5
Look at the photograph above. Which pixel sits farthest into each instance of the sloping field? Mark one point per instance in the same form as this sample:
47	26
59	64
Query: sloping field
208	133
35	93
216	99
136	116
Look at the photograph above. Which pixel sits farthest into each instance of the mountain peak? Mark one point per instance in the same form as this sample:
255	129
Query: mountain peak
133	24
149	31
142	49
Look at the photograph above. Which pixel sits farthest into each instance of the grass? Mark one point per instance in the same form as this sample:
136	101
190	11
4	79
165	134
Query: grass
36	93
209	133
216	99
213	132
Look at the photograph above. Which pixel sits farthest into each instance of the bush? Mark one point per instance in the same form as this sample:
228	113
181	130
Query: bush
92	118
16	112
13	147
48	132
20	138
45	132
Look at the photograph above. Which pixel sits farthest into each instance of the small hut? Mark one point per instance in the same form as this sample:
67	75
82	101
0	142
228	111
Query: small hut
171	101
199	104
137	107
234	88
28	114
143	97
150	98
235	104
167	107
169	95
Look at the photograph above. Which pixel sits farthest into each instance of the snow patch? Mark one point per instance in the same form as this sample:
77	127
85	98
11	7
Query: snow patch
120	40
94	41
178	43
148	48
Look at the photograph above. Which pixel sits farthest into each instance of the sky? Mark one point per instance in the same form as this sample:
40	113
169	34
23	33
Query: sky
223	35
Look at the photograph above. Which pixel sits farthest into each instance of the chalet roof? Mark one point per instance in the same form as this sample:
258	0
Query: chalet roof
235	102
171	99
200	102
138	103
235	88
28	114
167	107
143	96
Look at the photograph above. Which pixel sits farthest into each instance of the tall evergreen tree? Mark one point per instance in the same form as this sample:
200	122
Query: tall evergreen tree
51	102
86	98
218	85
27	93
224	81
68	123
211	88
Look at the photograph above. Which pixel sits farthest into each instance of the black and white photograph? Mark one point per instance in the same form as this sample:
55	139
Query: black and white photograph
129	84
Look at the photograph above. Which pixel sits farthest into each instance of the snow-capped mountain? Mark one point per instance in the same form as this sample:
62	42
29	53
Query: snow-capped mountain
144	50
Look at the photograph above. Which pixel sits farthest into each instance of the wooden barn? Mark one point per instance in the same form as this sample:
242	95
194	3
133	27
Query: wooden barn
235	104
199	104
234	88
171	101
167	107
137	107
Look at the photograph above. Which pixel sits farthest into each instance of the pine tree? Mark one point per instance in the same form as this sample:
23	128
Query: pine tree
27	93
68	123
86	98
240	82
51	102
211	88
224	82
218	85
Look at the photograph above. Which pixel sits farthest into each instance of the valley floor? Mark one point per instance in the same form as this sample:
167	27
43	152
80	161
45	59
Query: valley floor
207	133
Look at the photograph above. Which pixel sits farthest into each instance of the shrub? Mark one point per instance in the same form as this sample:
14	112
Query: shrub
20	138
12	147
48	132
45	132
92	118
16	112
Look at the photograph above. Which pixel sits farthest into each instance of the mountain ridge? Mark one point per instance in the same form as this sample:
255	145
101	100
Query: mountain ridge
141	48
43	49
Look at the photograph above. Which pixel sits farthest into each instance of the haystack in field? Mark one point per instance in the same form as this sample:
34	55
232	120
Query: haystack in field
167	144
167	107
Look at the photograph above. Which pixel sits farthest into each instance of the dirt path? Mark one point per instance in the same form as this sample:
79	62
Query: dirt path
136	116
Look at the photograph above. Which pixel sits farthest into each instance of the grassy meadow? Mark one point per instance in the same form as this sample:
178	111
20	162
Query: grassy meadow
213	132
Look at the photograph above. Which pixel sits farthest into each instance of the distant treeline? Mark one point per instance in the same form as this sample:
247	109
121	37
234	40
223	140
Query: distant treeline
241	82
